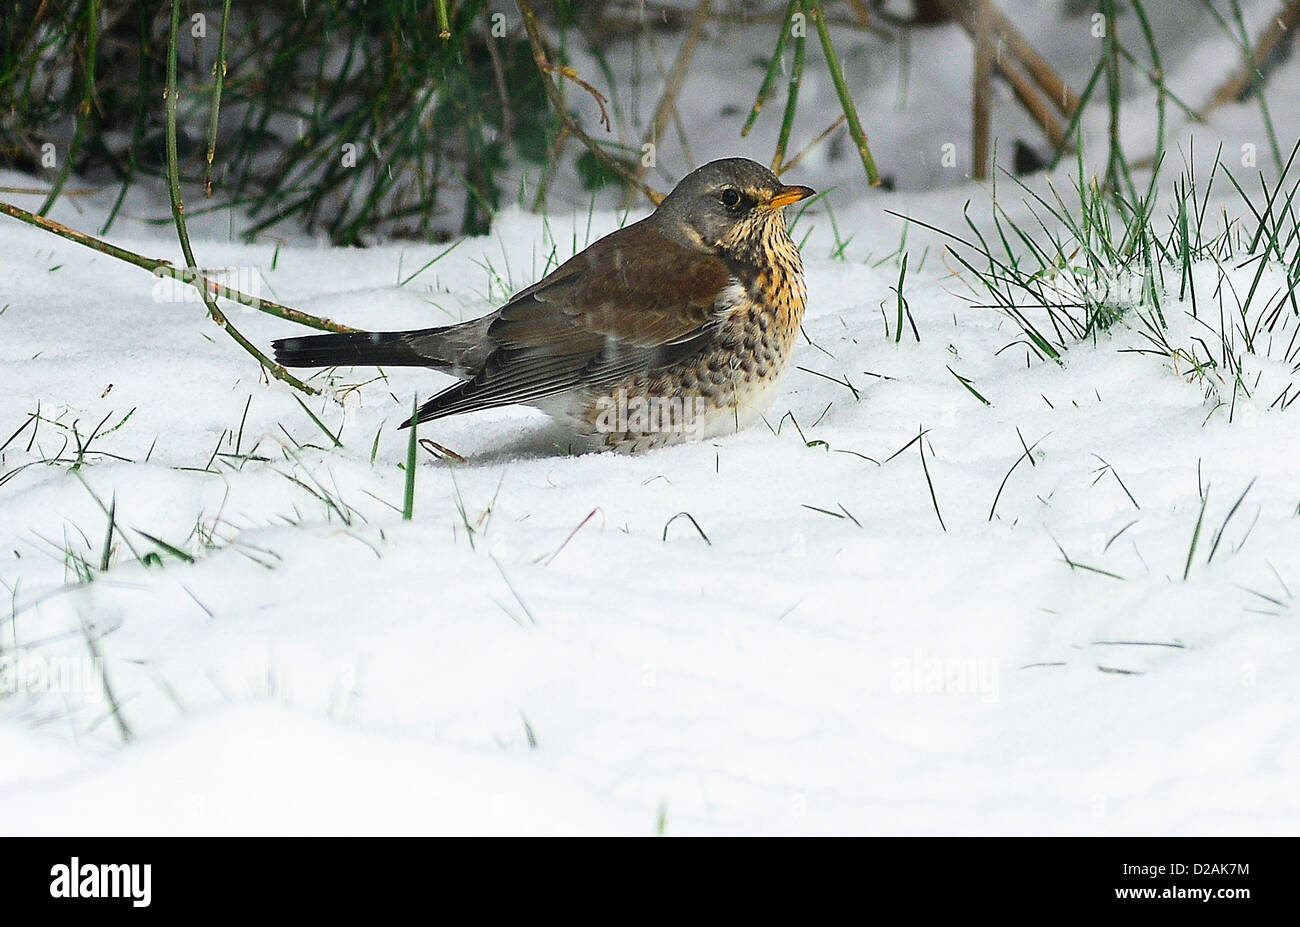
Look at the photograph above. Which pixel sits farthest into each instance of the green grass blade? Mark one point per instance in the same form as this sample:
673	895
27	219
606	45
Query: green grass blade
408	496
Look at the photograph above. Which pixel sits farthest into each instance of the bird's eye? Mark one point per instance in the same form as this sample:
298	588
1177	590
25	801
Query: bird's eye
730	196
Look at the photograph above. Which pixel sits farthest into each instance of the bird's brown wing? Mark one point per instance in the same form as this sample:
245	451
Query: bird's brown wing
633	301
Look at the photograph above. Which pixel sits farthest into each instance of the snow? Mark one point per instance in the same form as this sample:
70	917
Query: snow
548	648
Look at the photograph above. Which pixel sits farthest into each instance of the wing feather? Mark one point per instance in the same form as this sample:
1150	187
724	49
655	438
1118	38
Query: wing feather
633	301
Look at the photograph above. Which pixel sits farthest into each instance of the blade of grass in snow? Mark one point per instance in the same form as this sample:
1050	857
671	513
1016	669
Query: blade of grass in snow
319	424
1196	534
408	494
970	387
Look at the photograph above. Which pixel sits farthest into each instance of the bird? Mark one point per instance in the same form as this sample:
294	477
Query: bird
675	328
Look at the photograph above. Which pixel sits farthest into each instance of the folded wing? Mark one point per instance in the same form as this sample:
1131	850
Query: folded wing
633	301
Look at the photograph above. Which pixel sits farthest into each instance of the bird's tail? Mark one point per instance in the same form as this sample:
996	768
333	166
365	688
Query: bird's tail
453	348
350	349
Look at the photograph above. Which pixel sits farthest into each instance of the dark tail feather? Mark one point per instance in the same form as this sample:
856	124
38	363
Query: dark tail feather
353	349
437	405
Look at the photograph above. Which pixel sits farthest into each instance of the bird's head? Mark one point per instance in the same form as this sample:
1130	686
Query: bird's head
727	208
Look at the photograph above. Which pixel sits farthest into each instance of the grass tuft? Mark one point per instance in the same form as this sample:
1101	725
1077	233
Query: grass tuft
408	493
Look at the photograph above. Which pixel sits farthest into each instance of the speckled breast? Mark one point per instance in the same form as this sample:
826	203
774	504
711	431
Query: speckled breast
725	386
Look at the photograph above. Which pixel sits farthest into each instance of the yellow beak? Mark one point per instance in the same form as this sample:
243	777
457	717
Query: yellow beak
787	195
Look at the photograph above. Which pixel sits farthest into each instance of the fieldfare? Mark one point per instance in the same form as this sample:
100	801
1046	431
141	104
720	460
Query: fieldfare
675	328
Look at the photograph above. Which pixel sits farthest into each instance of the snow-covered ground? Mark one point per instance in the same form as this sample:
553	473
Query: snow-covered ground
851	642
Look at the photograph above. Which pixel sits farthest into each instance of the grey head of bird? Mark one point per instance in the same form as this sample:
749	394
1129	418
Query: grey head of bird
727	208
